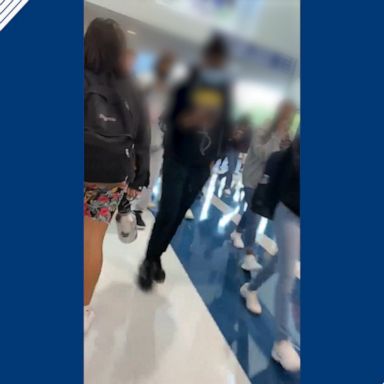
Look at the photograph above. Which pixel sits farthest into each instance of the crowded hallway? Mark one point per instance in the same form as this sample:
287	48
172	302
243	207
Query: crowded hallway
191	200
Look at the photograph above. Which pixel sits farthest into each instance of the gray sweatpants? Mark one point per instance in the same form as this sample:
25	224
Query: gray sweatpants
287	230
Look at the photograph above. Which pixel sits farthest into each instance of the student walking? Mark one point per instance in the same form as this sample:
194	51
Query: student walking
117	139
286	221
263	144
197	128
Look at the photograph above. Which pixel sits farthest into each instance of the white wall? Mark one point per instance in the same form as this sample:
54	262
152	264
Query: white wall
275	24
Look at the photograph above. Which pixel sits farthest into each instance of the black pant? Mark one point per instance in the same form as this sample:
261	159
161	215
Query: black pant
180	186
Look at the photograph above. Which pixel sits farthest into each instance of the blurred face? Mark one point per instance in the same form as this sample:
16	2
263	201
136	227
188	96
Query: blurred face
238	134
128	61
214	61
285	142
164	68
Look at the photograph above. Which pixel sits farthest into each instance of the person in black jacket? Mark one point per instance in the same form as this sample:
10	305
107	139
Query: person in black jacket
286	222
109	171
197	128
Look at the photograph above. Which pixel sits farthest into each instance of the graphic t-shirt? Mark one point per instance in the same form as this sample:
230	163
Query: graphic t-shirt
201	144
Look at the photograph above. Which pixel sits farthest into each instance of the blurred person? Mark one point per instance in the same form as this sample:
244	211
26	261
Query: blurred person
124	209
286	221
115	132
197	127
156	92
130	60
238	143
243	156
263	144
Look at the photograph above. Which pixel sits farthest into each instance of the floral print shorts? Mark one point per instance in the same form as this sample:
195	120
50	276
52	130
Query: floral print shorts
100	203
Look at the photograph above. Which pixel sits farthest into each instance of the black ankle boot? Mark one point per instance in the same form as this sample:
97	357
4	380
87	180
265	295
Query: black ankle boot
146	275
158	272
149	272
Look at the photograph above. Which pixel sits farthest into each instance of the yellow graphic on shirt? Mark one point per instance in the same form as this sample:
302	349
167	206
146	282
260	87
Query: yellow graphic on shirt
207	98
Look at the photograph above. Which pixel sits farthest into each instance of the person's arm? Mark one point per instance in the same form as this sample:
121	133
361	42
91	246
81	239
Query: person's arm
257	142
174	110
267	132
142	146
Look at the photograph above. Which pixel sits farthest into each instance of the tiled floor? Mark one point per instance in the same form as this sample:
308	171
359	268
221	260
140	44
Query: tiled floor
164	337
194	328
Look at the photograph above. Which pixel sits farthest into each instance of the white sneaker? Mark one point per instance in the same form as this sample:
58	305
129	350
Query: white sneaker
227	192
251	300
284	353
250	263
189	215
237	240
89	316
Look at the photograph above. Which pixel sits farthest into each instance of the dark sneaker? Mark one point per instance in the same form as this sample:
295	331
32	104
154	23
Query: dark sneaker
139	220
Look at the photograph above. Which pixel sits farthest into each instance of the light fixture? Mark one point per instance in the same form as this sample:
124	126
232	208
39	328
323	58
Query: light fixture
131	32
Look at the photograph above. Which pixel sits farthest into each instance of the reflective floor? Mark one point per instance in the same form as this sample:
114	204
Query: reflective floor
194	328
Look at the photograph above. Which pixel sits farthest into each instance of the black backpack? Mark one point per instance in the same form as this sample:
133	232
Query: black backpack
107	119
267	193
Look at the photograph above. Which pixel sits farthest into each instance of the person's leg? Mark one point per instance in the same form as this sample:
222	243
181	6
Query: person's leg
232	163
236	235
285	280
94	232
181	185
265	273
219	164
174	179
249	290
248	213
249	233
242	161
249	228
196	179
243	222
100	203
251	222
180	188
173	184
287	229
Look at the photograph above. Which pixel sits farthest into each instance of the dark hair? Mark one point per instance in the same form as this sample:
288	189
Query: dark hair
104	46
216	47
